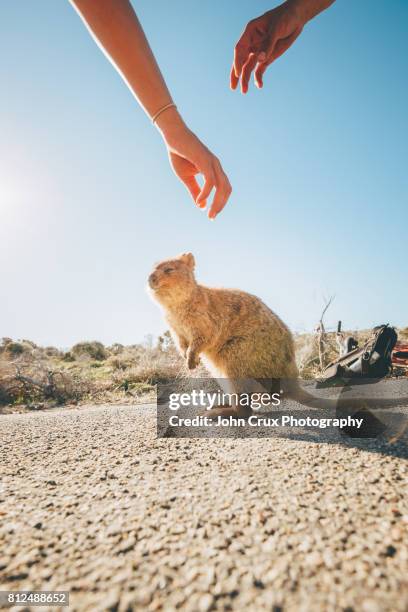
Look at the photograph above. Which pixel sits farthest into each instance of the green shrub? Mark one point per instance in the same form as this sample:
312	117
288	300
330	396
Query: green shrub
15	348
95	350
51	351
29	343
4	396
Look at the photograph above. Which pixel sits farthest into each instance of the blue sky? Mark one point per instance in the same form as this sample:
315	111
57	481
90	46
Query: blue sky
317	160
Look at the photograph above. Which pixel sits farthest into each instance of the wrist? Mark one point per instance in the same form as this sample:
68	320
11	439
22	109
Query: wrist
169	123
307	9
299	9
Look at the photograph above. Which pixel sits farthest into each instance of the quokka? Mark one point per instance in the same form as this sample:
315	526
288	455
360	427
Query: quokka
237	336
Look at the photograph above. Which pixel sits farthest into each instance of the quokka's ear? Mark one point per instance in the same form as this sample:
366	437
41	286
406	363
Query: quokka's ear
188	259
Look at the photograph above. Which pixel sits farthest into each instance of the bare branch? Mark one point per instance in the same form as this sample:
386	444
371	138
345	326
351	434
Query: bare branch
321	333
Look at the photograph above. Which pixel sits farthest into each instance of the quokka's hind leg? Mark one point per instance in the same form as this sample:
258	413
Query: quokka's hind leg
231	391
239	392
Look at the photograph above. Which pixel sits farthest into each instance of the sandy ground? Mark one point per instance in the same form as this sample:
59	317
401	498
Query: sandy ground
92	502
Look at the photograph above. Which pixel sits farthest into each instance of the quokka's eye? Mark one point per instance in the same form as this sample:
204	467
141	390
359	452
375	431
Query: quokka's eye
168	270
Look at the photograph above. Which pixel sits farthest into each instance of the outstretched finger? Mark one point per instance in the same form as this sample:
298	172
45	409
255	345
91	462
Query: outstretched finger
246	72
222	193
193	187
234	80
241	53
201	200
259	72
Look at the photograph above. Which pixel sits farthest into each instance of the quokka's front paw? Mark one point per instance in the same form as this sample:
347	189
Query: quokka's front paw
192	361
183	349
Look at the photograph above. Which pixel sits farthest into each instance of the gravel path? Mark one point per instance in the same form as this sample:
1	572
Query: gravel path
93	503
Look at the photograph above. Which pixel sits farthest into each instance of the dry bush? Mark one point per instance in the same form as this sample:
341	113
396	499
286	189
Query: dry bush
307	353
6	383
128	357
403	333
151	369
92	372
29	381
89	371
116	348
10	349
94	350
121	362
51	351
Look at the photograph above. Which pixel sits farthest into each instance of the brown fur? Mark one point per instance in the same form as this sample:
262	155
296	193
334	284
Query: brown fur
235	333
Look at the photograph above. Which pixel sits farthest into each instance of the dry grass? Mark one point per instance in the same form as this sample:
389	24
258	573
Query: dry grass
33	377
307	354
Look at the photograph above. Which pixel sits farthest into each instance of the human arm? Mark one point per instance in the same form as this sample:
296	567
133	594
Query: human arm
116	29
267	37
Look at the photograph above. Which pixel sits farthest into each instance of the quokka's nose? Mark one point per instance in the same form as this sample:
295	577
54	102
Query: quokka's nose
152	280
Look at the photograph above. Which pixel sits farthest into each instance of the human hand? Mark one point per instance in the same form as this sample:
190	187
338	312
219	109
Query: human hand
265	39
190	157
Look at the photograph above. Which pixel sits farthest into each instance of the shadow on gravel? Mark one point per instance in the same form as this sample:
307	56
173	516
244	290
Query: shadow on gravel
374	436
378	445
384	429
371	415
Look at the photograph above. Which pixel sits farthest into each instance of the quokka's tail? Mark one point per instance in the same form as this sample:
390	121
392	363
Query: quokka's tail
357	406
296	392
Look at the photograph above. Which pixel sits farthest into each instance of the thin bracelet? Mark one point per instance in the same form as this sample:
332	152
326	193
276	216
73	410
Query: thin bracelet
161	110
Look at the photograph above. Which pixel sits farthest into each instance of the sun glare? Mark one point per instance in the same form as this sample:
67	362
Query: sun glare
11	194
